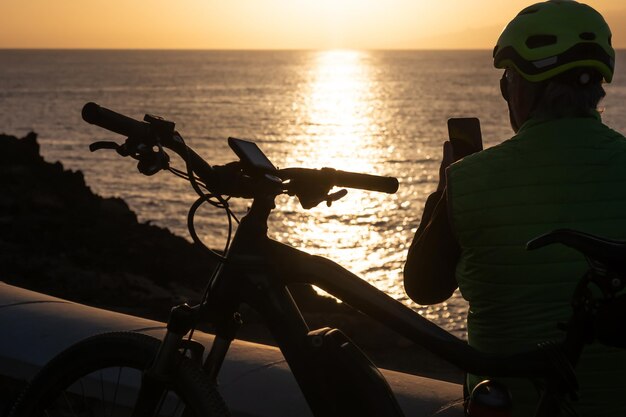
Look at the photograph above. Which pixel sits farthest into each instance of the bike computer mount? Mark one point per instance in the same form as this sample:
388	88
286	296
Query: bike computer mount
310	192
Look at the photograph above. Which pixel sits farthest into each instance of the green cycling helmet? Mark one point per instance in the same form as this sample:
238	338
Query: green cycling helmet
549	38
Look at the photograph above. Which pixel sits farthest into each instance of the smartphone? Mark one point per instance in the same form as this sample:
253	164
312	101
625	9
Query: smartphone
465	136
251	156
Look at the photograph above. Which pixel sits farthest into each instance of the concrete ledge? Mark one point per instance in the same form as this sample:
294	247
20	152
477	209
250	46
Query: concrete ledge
255	380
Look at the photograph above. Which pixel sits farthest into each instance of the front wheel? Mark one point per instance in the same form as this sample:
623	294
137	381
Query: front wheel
101	375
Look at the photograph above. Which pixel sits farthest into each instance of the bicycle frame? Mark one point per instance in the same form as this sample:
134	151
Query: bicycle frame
258	272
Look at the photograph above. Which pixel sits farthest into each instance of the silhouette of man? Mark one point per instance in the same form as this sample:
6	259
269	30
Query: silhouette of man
563	169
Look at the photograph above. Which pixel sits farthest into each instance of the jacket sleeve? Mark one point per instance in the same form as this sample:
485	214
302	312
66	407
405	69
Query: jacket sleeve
429	272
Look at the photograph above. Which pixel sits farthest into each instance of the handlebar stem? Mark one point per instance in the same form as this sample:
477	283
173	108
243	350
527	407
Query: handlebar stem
256	219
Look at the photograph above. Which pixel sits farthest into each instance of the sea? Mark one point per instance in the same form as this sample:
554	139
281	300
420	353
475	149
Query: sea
377	112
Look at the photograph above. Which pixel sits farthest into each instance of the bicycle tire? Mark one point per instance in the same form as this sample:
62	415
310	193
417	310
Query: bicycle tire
75	370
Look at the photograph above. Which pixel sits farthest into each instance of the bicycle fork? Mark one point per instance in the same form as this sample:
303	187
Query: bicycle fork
154	381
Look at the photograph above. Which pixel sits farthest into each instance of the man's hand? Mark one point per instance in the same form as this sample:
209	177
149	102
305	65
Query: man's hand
448	158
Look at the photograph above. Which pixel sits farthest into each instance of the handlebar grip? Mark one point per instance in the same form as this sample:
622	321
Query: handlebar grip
365	181
113	121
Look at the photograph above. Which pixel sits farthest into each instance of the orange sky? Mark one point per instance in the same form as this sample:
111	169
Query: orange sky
267	24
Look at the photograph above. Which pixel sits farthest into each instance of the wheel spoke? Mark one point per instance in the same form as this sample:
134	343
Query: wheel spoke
176	409
101	373
161	402
117	385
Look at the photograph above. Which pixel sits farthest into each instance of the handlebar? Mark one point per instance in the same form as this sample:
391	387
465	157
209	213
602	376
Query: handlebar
310	185
369	182
339	178
108	119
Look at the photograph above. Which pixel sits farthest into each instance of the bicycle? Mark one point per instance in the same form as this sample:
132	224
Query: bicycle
335	377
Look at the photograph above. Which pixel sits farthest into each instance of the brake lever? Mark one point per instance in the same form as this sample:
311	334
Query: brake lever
308	200
103	144
150	162
335	196
122	150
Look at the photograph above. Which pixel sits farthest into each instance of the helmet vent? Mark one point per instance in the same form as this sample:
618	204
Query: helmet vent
537	41
588	36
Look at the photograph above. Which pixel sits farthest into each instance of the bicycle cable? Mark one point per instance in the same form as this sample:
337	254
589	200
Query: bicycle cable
196	184
222	203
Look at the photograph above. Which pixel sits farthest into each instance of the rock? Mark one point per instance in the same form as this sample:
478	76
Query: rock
65	240
14	151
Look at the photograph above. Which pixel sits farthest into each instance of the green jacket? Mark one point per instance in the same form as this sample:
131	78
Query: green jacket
562	173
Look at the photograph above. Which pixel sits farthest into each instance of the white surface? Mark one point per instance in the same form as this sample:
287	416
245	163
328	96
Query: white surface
255	380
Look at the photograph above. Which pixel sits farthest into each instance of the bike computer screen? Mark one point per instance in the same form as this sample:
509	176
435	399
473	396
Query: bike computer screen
251	155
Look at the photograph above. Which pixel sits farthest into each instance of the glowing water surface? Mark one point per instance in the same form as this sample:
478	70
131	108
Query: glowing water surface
378	112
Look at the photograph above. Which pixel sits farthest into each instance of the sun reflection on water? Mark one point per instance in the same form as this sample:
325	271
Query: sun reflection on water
340	131
337	119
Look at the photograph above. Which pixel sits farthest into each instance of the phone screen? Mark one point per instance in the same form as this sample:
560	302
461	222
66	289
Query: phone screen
465	136
251	155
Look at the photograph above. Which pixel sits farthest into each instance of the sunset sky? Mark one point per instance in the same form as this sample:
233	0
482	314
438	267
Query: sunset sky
268	24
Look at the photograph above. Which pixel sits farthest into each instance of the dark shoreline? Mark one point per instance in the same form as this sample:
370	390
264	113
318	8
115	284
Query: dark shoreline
59	238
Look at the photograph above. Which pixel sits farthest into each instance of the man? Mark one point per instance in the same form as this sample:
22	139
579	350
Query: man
562	169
